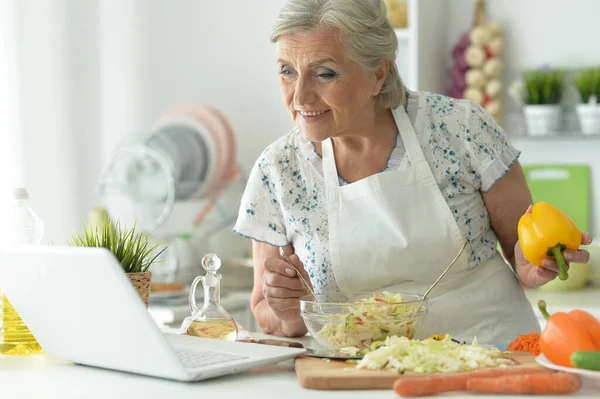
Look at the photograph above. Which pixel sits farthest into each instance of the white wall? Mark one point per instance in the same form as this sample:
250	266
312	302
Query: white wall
11	174
84	86
50	171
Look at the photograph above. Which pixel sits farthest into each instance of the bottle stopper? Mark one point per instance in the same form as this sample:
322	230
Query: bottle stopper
211	263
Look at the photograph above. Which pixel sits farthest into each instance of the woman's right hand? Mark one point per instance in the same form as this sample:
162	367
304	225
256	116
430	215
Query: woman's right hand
282	288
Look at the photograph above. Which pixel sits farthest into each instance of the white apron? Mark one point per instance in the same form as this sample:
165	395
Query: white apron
394	230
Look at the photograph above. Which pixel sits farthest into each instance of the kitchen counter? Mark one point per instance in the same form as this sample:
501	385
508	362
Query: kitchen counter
44	377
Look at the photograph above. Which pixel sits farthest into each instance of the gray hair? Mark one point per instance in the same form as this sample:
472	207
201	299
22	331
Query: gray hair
366	32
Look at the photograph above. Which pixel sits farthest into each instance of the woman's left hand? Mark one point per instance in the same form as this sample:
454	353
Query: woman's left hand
535	276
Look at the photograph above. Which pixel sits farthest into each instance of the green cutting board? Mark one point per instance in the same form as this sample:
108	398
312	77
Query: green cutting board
567	187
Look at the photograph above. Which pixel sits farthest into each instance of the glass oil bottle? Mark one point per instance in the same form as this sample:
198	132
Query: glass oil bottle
211	320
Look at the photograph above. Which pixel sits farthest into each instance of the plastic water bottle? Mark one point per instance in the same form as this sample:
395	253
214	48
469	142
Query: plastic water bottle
21	226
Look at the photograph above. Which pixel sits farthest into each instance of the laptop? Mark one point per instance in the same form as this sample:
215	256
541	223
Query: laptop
81	307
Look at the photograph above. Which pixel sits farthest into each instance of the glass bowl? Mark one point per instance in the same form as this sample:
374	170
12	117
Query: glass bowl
358	319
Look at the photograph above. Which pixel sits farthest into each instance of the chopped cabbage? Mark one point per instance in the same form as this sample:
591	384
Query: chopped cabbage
372	319
431	356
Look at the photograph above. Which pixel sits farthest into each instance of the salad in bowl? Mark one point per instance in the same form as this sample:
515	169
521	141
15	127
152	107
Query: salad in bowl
343	320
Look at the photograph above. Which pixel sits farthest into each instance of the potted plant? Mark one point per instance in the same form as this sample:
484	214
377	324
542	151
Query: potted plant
131	248
540	94
587	82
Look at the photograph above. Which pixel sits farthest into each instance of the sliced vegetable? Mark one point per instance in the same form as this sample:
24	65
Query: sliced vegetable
430	356
586	360
526	343
438	337
376	345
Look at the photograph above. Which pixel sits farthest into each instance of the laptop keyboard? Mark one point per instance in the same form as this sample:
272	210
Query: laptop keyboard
195	359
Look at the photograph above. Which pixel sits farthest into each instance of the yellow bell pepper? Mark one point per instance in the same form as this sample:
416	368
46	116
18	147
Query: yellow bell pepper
547	231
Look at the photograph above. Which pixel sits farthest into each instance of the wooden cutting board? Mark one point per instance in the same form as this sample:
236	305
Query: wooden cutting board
315	373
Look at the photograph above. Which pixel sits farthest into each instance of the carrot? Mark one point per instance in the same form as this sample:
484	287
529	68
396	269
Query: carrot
526	343
432	384
537	383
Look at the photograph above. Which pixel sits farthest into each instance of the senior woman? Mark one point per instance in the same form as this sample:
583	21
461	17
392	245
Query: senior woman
378	187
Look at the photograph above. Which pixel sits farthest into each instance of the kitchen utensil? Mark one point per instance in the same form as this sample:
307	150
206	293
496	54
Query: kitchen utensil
306	284
319	353
339	375
447	268
328	354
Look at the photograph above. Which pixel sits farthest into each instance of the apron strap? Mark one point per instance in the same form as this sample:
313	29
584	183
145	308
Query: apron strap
411	143
330	173
417	157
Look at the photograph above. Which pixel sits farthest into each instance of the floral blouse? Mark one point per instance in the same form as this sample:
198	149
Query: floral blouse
284	201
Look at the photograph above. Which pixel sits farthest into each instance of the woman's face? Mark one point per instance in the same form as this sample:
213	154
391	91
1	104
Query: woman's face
326	93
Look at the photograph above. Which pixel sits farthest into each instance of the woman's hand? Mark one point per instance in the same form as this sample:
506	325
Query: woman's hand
274	302
282	288
535	276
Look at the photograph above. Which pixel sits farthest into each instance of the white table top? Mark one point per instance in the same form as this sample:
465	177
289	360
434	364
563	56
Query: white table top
44	377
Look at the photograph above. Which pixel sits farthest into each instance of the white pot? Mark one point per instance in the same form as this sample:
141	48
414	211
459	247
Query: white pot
543	120
589	118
